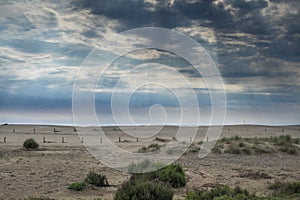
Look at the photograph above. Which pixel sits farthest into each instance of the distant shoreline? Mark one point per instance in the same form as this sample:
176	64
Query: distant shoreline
142	125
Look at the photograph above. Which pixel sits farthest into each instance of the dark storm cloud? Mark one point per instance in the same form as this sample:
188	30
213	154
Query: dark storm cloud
229	16
256	45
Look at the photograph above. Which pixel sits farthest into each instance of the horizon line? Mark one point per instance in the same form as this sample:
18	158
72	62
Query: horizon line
130	125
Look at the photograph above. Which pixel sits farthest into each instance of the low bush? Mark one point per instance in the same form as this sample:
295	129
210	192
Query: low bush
242	144
232	149
249	146
221	193
144	166
285	189
38	198
143	190
172	174
77	186
259	149
97	180
216	149
30	144
194	149
150	148
247	151
288	148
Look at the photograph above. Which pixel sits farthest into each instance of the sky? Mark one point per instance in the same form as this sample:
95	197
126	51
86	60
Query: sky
45	45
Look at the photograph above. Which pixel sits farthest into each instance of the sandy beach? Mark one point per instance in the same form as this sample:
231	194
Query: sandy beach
62	159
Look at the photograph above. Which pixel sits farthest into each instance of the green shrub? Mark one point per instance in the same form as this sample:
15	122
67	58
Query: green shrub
285	189
175	150
77	186
172	174
30	144
144	166
288	148
247	151
216	150
194	149
144	190
221	193
261	150
242	144
232	149
150	148
97	180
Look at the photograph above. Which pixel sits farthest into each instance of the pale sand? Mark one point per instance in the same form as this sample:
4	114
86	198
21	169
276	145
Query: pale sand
48	172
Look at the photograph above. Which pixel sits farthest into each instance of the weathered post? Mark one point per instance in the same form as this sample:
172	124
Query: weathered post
4	139
62	140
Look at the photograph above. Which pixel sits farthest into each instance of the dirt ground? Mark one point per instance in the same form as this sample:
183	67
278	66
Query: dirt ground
48	171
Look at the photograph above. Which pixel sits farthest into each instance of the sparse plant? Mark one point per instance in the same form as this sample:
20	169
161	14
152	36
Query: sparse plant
222	193
232	149
285	189
174	150
77	186
144	166
38	198
172	174
247	151
216	149
144	190
150	148
194	149
248	146
288	148
97	180
261	150
242	144
30	144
